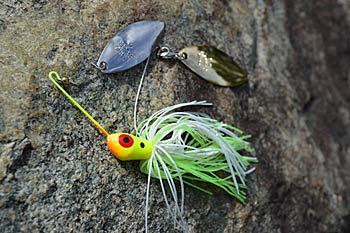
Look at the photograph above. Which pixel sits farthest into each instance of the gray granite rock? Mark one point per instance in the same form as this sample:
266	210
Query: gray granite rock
56	174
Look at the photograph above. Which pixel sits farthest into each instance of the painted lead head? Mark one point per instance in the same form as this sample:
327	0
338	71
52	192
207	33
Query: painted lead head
130	46
125	146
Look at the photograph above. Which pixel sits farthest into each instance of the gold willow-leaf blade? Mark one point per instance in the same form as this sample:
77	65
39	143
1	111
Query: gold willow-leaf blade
213	65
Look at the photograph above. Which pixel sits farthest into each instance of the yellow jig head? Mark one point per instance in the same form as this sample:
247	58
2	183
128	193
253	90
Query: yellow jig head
129	147
122	145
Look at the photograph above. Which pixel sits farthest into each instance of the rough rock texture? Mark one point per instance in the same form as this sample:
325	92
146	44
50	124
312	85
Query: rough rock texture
56	174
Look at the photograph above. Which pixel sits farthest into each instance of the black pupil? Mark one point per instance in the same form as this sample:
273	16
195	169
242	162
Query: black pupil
126	139
142	145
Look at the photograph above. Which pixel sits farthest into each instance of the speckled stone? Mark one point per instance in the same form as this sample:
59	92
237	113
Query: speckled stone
56	174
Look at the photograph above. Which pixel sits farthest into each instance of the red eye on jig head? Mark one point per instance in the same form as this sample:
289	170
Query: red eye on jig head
126	140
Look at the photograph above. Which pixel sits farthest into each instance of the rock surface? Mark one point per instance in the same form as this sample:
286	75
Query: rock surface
56	174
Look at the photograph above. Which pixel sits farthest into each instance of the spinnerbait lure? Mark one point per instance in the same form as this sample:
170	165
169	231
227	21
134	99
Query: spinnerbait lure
186	147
